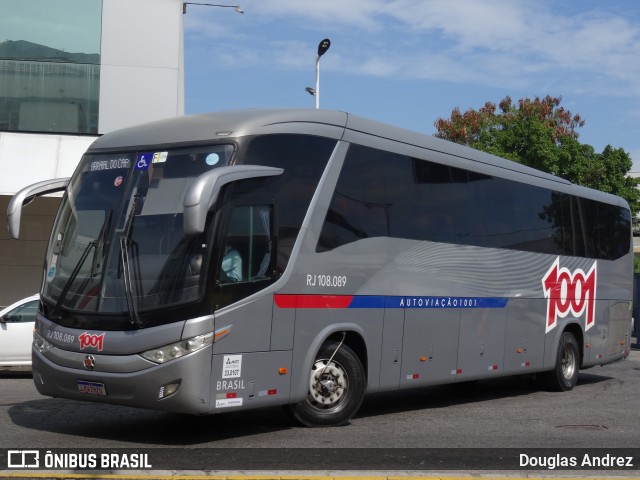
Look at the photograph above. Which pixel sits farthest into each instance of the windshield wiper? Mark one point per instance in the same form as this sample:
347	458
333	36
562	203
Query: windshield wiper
92	245
100	243
125	244
67	286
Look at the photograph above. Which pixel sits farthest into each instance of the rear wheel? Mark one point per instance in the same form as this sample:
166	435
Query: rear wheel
565	374
336	388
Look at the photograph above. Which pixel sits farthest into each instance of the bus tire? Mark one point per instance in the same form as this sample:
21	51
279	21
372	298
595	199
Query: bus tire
336	389
564	376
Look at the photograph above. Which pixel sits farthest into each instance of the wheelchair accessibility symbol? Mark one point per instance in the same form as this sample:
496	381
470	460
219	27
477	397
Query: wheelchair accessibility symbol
142	162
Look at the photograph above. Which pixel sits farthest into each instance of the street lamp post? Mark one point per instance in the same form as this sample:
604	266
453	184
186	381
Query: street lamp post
237	8
323	46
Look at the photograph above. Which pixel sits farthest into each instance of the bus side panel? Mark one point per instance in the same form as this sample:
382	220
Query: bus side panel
247	327
430	349
596	338
619	324
609	338
482	340
524	343
390	365
282	328
250	380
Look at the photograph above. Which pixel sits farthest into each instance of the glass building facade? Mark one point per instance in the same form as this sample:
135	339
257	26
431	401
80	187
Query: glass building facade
50	65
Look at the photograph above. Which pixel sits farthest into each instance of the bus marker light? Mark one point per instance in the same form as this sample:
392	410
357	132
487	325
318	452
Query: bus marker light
414	376
232	395
167	390
456	372
493	367
265	393
423	359
520	350
283	371
223	332
525	364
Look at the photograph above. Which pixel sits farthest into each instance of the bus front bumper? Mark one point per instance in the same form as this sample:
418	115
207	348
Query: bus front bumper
181	385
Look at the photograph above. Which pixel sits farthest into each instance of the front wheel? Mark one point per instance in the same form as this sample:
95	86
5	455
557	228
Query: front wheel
565	374
336	388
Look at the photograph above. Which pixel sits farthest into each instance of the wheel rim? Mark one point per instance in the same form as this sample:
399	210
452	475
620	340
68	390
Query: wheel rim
568	362
328	384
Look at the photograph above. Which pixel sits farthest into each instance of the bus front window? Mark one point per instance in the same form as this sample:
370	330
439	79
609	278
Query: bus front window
118	244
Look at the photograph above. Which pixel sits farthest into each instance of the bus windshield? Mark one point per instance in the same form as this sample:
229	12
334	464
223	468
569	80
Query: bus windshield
118	245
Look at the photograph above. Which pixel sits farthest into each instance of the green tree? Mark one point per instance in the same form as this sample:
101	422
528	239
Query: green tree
541	134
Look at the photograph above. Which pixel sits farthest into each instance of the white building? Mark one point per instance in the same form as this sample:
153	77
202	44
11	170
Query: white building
71	70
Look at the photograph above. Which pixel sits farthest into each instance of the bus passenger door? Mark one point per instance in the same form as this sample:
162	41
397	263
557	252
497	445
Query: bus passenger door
430	347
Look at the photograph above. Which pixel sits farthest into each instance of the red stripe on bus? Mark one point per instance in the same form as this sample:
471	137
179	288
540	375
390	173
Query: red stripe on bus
285	301
312	301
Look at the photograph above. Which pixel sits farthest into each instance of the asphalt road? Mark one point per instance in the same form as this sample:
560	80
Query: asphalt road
603	411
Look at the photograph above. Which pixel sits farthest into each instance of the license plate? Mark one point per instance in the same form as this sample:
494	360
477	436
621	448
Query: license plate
92	388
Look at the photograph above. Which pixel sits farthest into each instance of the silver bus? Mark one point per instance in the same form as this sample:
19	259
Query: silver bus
246	259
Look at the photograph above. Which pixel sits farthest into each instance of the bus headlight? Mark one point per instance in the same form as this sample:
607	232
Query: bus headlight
178	349
40	343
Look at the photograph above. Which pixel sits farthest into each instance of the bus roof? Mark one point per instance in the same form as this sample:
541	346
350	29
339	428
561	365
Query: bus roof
203	128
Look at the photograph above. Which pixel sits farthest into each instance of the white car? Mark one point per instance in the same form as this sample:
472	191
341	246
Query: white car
16	333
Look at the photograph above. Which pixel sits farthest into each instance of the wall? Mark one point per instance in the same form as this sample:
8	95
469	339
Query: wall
141	75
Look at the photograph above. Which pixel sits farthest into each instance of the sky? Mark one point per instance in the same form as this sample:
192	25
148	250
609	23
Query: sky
409	62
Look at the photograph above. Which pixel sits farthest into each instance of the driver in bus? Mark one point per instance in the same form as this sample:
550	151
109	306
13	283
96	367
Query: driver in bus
231	265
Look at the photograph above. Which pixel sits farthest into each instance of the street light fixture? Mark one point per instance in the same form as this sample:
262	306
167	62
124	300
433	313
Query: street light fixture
323	46
237	8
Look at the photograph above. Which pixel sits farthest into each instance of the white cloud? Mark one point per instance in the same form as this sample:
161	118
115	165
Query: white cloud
353	13
509	43
208	24
529	37
465	24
